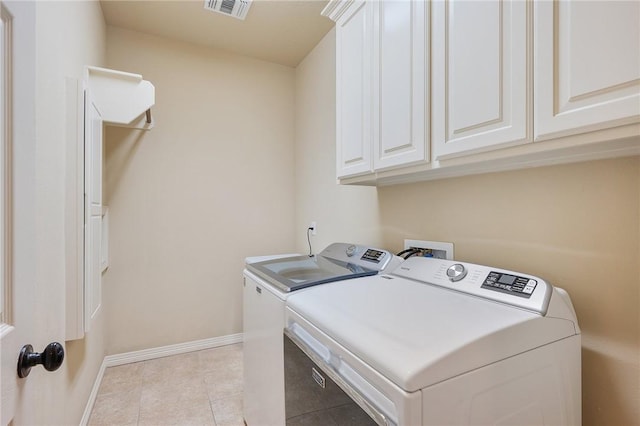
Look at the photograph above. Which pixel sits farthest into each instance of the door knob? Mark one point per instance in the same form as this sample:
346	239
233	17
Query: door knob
51	358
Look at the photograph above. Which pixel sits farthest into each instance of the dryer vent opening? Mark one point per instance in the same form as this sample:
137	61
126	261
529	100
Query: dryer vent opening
236	8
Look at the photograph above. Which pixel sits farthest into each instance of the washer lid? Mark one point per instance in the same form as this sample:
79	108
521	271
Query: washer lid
416	334
339	261
295	273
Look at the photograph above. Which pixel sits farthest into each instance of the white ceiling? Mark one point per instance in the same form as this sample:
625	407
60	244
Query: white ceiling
280	31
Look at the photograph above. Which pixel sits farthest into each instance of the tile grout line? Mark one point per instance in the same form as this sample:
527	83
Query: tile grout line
144	365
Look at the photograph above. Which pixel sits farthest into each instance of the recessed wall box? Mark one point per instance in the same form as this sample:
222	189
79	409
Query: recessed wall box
438	249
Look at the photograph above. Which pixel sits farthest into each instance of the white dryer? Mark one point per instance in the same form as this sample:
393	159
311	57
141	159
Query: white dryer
433	343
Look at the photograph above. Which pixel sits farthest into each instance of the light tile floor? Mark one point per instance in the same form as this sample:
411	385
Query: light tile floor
197	388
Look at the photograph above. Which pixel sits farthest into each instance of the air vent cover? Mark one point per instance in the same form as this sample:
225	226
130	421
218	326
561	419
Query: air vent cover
236	8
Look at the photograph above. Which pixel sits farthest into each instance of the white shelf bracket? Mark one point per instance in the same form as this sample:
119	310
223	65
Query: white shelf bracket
124	99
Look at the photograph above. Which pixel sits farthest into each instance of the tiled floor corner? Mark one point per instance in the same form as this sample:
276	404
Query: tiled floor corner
197	388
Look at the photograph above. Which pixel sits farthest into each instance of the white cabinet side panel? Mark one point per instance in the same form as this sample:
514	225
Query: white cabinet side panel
74	211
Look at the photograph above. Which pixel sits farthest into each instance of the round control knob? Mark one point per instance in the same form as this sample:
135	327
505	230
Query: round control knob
456	272
351	250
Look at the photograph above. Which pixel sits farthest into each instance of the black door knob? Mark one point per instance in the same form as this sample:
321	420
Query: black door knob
51	358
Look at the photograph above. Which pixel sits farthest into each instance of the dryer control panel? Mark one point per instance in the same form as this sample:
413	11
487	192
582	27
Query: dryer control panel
510	284
509	287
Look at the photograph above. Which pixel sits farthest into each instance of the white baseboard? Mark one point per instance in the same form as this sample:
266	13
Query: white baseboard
94	393
180	348
153	353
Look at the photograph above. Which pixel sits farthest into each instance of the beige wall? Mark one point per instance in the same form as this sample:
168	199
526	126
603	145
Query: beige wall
183	210
342	213
69	35
578	226
211	184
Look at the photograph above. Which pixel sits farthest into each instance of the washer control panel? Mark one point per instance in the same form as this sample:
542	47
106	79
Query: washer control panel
373	255
355	254
510	284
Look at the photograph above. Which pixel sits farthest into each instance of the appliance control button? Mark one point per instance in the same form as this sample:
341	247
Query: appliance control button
351	250
456	272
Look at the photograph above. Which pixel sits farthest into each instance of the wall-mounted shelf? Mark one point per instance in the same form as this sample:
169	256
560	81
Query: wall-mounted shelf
124	99
101	97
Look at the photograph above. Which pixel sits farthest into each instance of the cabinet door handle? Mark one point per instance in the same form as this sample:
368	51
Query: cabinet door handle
259	290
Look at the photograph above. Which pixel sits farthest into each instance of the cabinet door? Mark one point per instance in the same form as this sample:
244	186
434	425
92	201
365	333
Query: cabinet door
587	66
93	211
354	39
400	95
480	60
263	355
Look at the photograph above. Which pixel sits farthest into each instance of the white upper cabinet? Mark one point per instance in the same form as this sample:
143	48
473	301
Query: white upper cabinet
400	98
481	61
587	66
434	89
382	112
354	37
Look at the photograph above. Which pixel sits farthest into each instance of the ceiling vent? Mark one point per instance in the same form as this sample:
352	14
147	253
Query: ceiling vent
236	8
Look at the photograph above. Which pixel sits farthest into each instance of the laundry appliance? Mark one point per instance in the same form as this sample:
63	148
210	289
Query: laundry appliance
434	342
268	281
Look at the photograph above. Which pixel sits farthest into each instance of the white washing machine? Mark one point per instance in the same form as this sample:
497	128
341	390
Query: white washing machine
435	342
268	281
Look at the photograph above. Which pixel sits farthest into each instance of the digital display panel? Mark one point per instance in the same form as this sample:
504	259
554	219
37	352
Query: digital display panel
510	284
507	279
372	255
